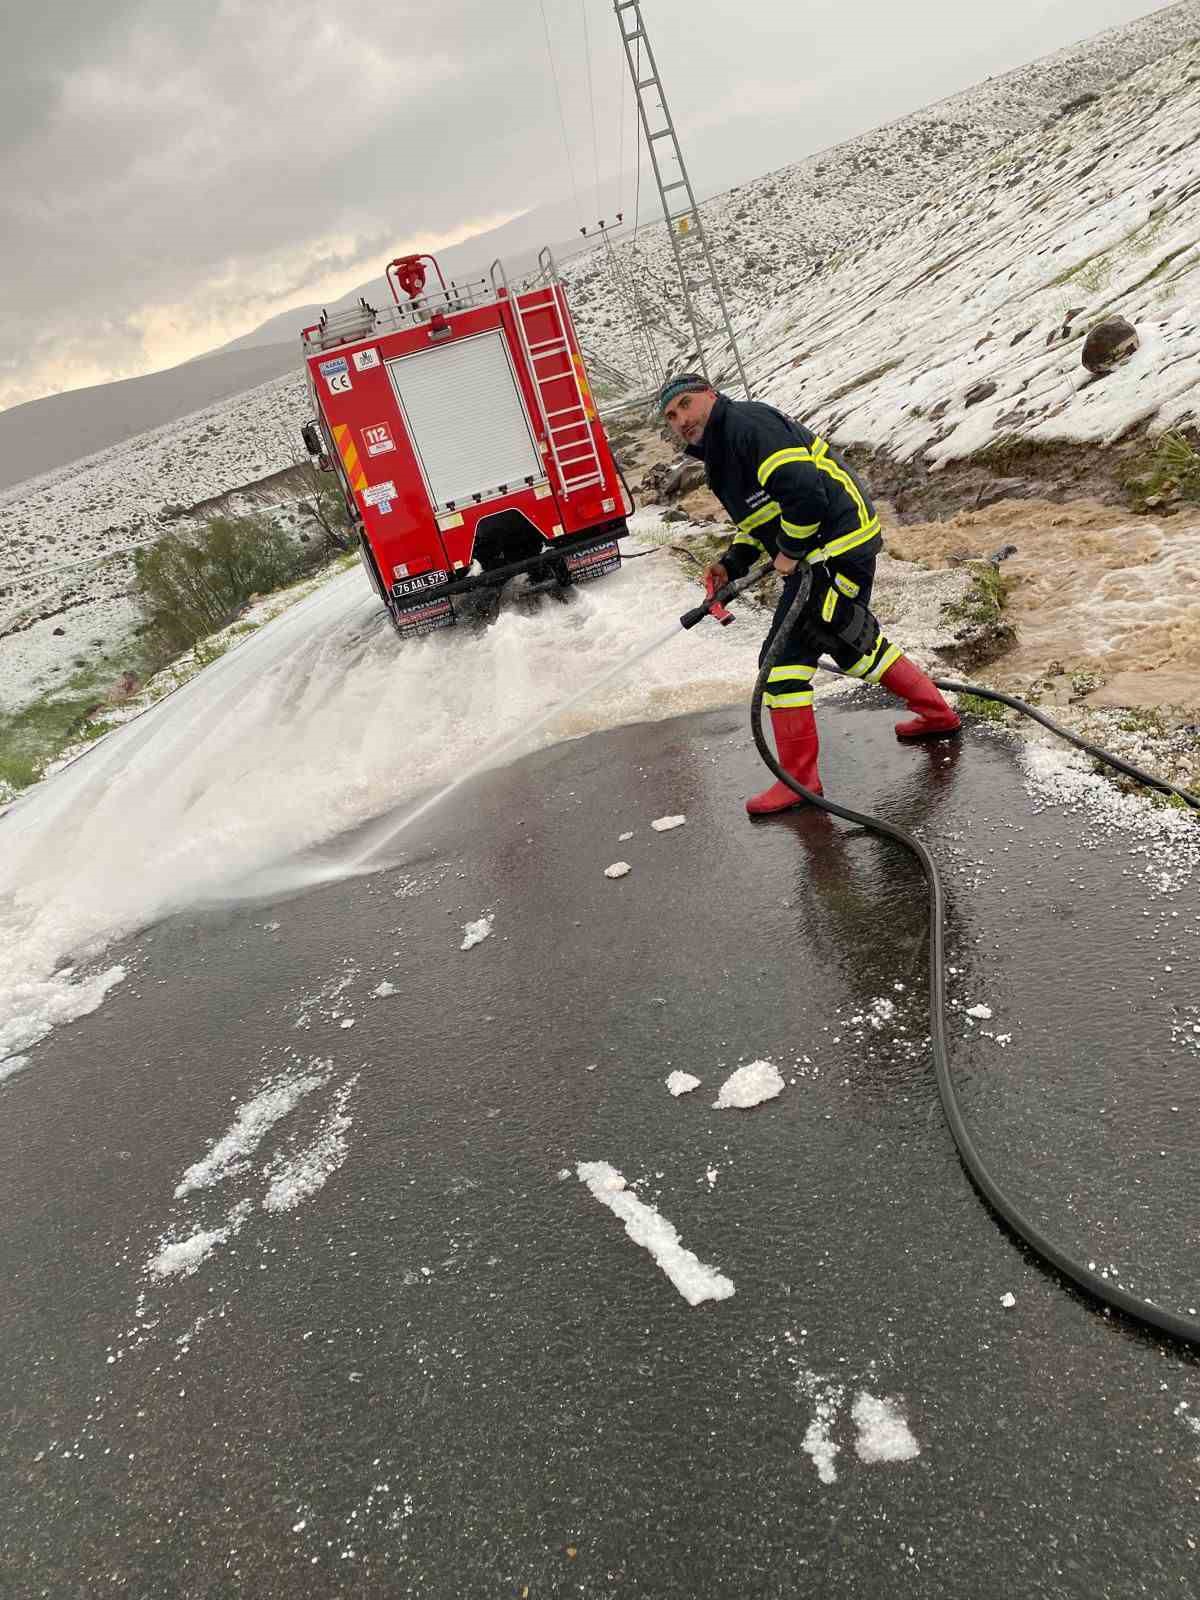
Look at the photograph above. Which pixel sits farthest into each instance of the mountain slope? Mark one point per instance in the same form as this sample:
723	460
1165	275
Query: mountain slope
44	434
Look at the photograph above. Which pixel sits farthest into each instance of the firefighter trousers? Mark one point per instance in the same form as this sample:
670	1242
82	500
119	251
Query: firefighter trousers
836	621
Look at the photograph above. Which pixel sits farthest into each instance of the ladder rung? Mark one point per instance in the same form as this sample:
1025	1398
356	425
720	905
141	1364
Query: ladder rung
538	305
663	133
647	83
580	483
564	411
679	183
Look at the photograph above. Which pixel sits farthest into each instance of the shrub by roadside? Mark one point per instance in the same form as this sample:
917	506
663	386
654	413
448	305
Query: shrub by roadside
190	585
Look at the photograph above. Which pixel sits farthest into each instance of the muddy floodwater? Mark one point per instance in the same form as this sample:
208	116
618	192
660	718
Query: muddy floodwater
1097	589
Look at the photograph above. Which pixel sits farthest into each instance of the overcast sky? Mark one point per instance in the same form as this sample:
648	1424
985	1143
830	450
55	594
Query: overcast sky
172	174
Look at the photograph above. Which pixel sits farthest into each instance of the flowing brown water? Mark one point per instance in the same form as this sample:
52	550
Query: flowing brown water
1096	588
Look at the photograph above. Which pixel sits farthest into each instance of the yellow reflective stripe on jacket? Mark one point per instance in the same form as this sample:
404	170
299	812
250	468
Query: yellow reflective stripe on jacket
823	464
766	513
818	457
848	541
830	605
781	459
848	587
796	530
748	538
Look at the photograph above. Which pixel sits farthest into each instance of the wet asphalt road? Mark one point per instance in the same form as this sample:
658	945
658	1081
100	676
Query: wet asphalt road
450	1373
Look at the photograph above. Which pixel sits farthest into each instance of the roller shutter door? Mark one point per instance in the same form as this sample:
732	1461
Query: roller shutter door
466	418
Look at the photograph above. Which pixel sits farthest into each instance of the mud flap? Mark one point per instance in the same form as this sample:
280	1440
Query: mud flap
417	617
594	561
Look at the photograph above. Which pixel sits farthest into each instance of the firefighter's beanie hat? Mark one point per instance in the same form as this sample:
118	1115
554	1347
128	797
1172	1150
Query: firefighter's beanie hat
684	383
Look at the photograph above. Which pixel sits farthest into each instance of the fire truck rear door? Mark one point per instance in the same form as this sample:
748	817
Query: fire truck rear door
466	418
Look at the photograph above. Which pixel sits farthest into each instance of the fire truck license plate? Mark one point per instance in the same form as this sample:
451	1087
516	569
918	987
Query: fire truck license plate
594	563
426	580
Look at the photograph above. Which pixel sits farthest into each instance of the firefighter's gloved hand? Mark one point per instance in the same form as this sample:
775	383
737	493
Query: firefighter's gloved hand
785	564
715	577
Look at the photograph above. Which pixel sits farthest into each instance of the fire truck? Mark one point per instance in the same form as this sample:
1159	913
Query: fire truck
461	425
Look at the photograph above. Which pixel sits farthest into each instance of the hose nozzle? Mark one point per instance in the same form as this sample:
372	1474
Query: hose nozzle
714	605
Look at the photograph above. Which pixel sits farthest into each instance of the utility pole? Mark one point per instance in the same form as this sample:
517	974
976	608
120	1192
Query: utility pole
685	228
645	352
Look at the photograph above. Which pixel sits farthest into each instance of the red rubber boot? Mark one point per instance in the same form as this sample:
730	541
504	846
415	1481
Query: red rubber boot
796	746
935	717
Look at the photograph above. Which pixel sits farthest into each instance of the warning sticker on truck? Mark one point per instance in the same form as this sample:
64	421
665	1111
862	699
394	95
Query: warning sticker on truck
337	375
364	360
378	492
378	439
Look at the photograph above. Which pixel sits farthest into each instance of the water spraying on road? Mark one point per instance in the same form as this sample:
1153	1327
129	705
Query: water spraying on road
300	755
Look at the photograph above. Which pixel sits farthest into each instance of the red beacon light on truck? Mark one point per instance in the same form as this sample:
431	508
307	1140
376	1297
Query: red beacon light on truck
462	427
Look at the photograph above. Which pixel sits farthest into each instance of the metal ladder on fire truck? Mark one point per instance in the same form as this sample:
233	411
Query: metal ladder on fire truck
568	428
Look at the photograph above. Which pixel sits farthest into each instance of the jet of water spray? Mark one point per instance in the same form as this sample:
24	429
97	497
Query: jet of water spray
361	855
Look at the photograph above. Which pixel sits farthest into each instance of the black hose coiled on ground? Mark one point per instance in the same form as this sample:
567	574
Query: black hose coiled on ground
1180	1327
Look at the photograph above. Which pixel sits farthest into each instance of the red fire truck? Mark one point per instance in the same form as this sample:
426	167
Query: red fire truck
461	425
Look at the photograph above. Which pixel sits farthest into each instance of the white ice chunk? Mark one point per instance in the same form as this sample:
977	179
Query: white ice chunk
618	869
249	1128
665	824
476	932
12	1064
382	990
982	1013
297	1177
646	1227
881	1011
682	1083
622	838
181	1258
1008	1301
750	1086
883	1434
818	1440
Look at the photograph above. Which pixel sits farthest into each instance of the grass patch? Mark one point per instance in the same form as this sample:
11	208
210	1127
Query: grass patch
986	601
1093	274
1170	471
31	737
987	710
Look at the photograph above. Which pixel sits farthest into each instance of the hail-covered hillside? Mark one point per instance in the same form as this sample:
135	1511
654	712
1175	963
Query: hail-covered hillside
779	239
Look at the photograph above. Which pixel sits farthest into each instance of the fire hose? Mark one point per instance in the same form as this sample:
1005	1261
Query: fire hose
1101	1289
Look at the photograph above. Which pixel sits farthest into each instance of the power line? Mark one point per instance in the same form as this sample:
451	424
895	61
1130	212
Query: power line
587	51
562	120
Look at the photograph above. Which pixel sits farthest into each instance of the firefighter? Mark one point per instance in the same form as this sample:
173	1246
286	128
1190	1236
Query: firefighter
792	499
